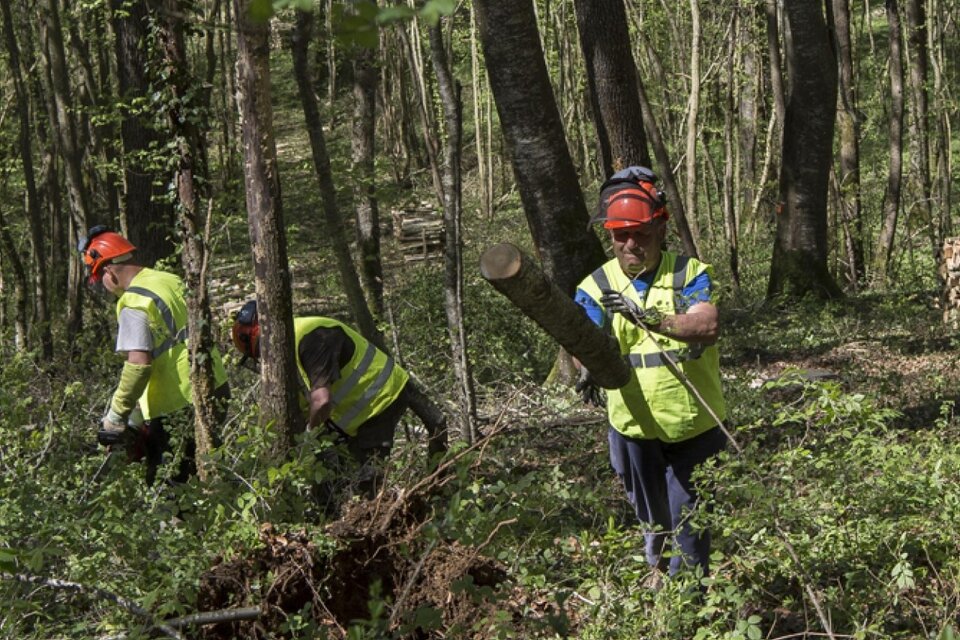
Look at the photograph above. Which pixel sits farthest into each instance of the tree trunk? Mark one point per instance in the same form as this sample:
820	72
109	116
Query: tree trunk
917	60
8	251
848	119
186	118
34	212
453	241
278	372
145	219
517	277
545	174
52	35
365	78
693	111
800	251
891	197
731	229
426	410
674	198
612	84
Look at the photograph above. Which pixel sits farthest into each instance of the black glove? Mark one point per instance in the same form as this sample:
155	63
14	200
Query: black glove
618	303
590	392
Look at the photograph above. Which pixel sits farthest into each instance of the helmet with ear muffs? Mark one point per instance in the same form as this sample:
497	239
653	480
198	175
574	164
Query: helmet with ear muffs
246	331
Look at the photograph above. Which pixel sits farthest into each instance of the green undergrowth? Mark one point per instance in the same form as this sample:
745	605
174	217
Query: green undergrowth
836	515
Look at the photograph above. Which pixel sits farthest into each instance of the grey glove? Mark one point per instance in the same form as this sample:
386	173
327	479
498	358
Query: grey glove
618	303
590	392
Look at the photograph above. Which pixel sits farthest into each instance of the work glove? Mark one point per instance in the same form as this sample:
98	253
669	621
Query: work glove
590	392
615	302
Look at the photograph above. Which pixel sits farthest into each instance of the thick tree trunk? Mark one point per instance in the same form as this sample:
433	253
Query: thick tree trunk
517	277
365	78
34	212
848	119
146	220
800	251
426	410
279	390
453	241
891	197
612	84
546	177
183	115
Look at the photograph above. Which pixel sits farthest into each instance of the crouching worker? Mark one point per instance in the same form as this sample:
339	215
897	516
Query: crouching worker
349	387
151	412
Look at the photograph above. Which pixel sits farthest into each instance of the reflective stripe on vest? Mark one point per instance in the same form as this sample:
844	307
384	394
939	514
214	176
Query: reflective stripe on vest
659	359
175	337
369	382
364	401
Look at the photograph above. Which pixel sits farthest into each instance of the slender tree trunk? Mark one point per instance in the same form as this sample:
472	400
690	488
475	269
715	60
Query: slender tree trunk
848	119
800	253
453	241
34	212
365	78
424	407
545	174
693	111
917	59
612	84
665	166
183	115
279	390
729	214
8	251
748	120
774	60
52	34
891	197
484	161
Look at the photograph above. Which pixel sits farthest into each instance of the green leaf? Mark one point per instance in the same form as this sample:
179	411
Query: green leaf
261	10
433	10
8	560
388	15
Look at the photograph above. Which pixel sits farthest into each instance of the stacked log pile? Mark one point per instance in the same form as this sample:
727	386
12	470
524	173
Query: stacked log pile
419	233
950	276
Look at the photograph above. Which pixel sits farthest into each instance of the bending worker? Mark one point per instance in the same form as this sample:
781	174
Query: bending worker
657	304
348	385
154	395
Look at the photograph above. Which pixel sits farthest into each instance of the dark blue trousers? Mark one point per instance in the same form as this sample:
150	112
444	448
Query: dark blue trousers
656	476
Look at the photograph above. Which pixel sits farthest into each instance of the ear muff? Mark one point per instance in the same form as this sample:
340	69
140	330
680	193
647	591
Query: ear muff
630	198
246	330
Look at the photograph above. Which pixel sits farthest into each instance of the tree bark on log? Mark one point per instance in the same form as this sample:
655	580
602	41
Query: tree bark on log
517	277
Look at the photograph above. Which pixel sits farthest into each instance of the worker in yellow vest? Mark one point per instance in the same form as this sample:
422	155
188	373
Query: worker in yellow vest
348	386
151	411
658	306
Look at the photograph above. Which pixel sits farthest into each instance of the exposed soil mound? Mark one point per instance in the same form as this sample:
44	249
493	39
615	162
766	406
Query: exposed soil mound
435	587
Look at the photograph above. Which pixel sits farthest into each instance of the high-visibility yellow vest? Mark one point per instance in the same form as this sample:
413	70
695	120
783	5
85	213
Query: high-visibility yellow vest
654	403
160	296
367	385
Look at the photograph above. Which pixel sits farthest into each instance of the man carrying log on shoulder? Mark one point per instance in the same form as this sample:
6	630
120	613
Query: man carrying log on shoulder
667	420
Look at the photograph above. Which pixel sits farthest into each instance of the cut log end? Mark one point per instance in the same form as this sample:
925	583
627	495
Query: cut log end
501	261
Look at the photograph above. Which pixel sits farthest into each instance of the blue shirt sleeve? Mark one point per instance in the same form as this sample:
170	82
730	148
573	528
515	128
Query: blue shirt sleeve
698	290
593	309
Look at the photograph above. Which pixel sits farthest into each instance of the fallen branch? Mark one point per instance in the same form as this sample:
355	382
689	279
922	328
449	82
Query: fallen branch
102	594
214	617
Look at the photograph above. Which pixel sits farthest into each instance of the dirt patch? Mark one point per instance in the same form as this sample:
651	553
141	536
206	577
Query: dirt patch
436	587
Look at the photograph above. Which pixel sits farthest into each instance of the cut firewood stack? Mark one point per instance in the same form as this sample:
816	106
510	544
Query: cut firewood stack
419	233
950	276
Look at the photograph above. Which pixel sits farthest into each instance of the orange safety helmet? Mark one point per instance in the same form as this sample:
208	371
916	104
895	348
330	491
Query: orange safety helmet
629	199
99	247
246	331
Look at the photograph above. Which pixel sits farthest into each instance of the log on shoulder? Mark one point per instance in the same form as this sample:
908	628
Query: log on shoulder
518	277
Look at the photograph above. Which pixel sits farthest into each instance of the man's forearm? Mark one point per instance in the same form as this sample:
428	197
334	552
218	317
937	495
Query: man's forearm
699	326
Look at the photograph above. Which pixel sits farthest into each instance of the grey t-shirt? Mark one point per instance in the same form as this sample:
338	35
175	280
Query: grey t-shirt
134	333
